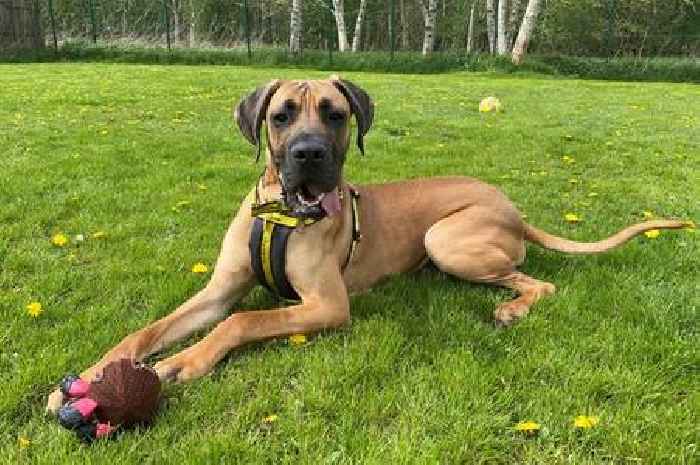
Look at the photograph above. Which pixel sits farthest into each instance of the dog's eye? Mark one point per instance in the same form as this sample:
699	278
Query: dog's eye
336	116
280	118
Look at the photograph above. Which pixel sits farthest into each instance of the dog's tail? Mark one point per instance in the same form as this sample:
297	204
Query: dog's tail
549	241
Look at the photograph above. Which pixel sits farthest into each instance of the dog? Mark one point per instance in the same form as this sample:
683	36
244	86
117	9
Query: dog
338	239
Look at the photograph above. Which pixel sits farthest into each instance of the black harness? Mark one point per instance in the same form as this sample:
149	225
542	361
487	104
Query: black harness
272	226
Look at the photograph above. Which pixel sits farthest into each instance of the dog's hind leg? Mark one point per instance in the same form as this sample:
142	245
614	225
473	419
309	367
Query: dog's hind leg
481	245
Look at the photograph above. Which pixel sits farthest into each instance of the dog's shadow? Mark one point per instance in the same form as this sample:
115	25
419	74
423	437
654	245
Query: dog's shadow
427	306
428	314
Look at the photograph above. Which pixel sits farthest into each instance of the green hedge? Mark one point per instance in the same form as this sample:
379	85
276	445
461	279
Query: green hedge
628	69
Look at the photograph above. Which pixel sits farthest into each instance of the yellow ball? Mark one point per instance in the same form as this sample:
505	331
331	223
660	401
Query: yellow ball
490	104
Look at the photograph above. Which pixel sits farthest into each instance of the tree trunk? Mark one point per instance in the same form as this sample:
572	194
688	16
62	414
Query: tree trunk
358	26
265	21
295	27
404	26
526	28
513	21
502	13
429	15
176	21
470	30
339	12
124	15
193	25
491	25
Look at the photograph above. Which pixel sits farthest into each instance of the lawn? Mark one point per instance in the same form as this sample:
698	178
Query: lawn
143	163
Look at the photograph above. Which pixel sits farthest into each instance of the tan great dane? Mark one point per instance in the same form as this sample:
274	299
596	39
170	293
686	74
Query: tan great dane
465	227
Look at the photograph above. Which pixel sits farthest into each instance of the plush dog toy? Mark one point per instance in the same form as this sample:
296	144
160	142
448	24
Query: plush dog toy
127	394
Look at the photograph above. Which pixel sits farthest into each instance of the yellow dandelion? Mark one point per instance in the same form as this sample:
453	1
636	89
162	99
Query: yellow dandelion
34	309
528	427
585	422
200	268
270	419
652	233
297	339
572	217
99	235
23	442
59	240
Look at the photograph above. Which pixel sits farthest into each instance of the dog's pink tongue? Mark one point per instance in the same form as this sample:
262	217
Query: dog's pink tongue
331	202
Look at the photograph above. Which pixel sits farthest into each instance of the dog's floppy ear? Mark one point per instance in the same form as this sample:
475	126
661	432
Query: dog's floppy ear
360	104
250	112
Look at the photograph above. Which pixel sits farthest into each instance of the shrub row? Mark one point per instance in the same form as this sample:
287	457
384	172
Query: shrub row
629	69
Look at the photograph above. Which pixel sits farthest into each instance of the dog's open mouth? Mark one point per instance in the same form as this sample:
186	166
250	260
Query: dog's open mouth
309	196
310	200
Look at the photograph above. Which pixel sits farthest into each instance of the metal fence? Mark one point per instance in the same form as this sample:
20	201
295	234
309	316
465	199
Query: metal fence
584	27
20	24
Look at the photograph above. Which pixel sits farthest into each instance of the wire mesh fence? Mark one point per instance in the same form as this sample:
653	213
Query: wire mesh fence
585	27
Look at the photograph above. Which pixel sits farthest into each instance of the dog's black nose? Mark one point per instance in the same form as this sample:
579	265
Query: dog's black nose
307	152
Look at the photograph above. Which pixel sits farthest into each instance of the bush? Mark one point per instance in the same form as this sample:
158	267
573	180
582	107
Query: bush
628	69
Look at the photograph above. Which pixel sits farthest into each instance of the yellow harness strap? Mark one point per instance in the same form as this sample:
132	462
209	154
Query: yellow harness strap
268	243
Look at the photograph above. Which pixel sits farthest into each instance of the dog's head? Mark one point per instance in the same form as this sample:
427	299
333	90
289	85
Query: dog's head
308	132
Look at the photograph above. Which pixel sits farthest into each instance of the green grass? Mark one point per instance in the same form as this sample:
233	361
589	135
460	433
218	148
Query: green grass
421	375
663	69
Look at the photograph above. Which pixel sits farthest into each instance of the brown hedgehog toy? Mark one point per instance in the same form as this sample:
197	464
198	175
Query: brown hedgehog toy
127	394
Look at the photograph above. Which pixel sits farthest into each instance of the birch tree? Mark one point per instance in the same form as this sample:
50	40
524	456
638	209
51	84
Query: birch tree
513	21
191	39
176	20
526	28
470	29
429	15
501	45
339	12
404	26
125	8
266	21
295	27
491	25
358	26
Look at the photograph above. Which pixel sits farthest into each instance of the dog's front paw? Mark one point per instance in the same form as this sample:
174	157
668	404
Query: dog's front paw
508	313
55	402
181	368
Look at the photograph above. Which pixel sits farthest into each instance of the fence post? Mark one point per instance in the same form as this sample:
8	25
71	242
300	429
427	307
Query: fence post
610	27
53	26
166	22
93	20
247	28
392	9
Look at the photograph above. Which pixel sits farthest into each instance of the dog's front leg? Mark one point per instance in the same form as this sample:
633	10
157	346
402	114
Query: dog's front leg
231	280
324	305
